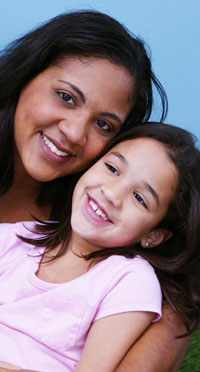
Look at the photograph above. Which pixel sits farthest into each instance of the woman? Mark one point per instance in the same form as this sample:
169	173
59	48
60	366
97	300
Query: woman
67	89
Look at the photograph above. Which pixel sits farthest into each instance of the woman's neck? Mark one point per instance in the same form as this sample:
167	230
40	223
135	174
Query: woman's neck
19	202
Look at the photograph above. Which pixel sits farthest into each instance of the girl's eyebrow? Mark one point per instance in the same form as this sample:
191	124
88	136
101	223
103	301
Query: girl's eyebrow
147	186
152	191
119	156
83	99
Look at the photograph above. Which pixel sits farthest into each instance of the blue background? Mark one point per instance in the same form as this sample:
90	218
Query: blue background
170	27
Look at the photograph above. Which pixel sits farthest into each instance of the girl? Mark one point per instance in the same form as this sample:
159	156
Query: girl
90	287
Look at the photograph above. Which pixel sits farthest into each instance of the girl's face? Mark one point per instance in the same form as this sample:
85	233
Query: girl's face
124	195
68	113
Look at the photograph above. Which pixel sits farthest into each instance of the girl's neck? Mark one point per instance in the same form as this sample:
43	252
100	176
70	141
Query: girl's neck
62	269
69	266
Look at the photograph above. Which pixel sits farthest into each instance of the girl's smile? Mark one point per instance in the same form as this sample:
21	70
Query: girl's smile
97	213
123	196
68	113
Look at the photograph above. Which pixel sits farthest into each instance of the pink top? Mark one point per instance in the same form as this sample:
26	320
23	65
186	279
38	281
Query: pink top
43	326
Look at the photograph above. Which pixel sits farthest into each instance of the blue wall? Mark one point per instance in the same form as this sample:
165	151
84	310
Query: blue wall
171	28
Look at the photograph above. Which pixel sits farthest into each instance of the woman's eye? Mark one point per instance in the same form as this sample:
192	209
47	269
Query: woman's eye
140	199
66	97
104	125
112	169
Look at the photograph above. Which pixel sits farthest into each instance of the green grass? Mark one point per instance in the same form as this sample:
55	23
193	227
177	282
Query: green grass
191	362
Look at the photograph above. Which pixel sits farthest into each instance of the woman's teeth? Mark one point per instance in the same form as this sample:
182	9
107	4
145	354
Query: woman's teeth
97	210
52	147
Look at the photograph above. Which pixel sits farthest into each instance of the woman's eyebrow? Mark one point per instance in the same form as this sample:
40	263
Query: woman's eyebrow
83	99
77	90
113	116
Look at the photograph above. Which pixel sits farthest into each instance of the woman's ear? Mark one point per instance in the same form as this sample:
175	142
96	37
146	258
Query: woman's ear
155	237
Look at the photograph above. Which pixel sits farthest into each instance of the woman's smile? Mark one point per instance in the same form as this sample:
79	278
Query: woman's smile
53	150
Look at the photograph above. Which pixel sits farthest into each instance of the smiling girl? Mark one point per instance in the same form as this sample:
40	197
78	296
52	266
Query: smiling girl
89	285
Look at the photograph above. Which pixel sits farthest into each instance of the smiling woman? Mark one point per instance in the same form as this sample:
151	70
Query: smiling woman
77	81
68	113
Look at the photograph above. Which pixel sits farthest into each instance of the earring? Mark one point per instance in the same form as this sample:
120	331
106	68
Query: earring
146	244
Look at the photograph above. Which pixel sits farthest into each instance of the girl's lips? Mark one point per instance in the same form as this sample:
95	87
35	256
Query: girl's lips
55	155
97	218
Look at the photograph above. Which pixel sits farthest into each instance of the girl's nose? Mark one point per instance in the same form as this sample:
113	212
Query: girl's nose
113	194
75	129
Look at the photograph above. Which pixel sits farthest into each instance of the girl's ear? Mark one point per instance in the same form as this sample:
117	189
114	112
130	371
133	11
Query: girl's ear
155	237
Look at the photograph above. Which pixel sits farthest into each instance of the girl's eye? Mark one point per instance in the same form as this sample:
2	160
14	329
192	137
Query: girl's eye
104	125
140	199
66	97
112	169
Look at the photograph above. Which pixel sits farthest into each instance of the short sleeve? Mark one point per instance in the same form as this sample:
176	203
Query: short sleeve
8	235
134	288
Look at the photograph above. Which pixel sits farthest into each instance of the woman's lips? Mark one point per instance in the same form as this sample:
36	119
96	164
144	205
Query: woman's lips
55	146
52	149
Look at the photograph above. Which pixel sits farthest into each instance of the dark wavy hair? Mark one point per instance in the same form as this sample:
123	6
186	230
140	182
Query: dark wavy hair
82	33
177	260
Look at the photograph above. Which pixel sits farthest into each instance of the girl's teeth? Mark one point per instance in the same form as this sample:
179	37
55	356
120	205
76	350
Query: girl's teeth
52	147
97	210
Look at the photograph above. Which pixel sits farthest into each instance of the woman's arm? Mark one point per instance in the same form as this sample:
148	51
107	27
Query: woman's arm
157	350
110	338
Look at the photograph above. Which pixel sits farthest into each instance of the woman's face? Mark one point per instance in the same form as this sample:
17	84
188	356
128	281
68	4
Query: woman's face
121	198
68	113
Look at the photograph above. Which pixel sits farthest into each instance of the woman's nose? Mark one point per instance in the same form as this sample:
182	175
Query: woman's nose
75	129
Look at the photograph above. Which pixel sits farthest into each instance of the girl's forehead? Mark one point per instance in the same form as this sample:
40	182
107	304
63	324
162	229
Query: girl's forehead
140	144
145	154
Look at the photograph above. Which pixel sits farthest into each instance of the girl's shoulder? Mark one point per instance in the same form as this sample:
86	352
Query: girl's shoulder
130	284
9	229
121	271
10	232
120	263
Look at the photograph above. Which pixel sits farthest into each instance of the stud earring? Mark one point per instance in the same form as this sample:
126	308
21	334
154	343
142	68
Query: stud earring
146	244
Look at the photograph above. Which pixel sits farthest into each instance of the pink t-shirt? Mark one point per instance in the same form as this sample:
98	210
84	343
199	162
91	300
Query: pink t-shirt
44	326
